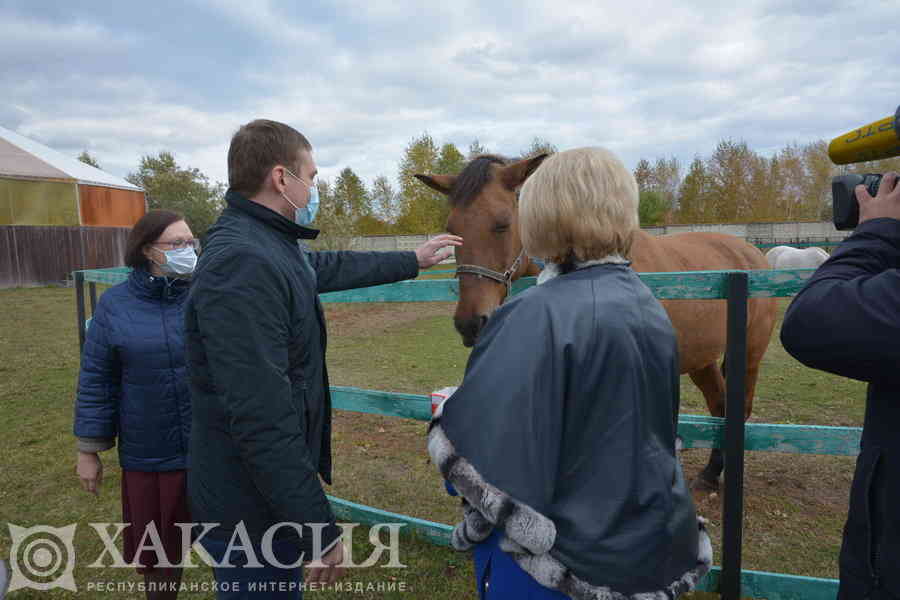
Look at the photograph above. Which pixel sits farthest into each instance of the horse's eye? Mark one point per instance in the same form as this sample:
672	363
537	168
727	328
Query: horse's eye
501	228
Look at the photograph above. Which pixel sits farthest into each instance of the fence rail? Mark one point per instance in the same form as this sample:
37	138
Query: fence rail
687	285
754	584
730	433
696	431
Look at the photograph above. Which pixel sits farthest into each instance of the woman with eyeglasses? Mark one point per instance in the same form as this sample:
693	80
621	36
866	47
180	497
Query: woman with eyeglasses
133	392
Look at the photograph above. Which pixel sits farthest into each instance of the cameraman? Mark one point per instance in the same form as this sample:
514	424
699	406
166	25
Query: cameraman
846	320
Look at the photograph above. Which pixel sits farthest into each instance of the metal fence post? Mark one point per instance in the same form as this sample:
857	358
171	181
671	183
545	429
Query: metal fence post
92	287
735	371
79	307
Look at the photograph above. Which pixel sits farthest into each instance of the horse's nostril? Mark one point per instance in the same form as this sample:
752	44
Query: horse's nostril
470	328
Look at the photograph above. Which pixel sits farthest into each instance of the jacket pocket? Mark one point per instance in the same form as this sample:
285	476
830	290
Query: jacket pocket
877	505
865	520
299	401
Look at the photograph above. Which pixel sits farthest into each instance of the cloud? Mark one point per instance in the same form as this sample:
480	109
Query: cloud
362	79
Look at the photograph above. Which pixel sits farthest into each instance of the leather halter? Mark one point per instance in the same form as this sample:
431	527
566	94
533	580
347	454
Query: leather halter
505	277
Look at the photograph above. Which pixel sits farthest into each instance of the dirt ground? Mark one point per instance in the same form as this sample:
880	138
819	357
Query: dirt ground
373	318
794	505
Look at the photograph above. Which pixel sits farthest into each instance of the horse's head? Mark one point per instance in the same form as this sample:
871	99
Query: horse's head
484	212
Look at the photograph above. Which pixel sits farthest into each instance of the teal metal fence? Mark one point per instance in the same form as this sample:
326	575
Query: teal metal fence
697	431
687	285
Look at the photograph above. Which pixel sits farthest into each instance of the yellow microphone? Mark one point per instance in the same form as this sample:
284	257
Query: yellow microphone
874	141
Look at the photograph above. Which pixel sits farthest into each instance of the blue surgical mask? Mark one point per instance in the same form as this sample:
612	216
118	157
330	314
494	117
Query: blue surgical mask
307	214
180	261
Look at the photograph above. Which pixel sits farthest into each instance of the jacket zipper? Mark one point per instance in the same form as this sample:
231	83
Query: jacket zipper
162	303
873	504
305	416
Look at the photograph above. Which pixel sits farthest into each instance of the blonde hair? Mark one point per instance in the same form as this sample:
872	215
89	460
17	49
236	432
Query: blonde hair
580	204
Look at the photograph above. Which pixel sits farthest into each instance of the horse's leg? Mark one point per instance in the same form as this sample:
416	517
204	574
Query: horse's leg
711	381
712	384
750	381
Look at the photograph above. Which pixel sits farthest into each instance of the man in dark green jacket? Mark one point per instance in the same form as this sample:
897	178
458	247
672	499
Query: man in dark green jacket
261	432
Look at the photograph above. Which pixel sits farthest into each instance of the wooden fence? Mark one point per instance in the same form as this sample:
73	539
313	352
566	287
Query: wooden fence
38	255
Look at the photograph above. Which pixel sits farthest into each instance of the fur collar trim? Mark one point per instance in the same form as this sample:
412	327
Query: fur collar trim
529	535
551	270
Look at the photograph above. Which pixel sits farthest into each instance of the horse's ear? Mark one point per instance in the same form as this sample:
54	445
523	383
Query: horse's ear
439	183
515	174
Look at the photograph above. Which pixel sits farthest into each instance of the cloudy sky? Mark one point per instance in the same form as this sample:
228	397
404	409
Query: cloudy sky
362	78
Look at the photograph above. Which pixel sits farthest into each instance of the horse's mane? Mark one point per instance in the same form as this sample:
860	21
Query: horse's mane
473	178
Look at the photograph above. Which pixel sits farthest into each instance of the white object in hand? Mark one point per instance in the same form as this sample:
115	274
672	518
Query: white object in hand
438	397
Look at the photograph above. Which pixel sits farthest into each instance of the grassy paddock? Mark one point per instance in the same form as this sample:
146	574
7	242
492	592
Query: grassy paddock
795	505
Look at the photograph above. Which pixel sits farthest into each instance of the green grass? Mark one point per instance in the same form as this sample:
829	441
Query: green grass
788	392
39	346
795	505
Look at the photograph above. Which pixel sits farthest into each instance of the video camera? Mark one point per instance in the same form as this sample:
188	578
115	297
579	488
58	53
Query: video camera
875	141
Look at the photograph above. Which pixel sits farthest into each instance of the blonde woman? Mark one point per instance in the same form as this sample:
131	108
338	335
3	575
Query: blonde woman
561	438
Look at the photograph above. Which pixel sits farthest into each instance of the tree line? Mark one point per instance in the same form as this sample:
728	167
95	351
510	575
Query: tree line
734	184
349	207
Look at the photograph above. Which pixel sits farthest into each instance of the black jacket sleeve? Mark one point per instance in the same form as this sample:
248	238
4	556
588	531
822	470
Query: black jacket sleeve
348	270
846	319
243	313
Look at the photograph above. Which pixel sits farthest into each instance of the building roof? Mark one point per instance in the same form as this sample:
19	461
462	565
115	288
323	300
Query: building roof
22	158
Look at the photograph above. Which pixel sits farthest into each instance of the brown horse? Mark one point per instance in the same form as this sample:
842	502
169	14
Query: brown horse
483	201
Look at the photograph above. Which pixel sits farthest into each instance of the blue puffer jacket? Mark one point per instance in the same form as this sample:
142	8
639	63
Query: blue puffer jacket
133	381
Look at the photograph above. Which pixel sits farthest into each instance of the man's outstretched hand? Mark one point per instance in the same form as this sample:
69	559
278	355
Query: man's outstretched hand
428	254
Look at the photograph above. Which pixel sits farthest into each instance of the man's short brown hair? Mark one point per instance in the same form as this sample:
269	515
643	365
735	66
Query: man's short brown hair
257	147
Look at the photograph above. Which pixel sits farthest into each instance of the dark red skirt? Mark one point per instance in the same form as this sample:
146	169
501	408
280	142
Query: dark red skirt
159	498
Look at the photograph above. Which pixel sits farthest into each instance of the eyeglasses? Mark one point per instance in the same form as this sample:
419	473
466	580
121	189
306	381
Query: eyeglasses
181	244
